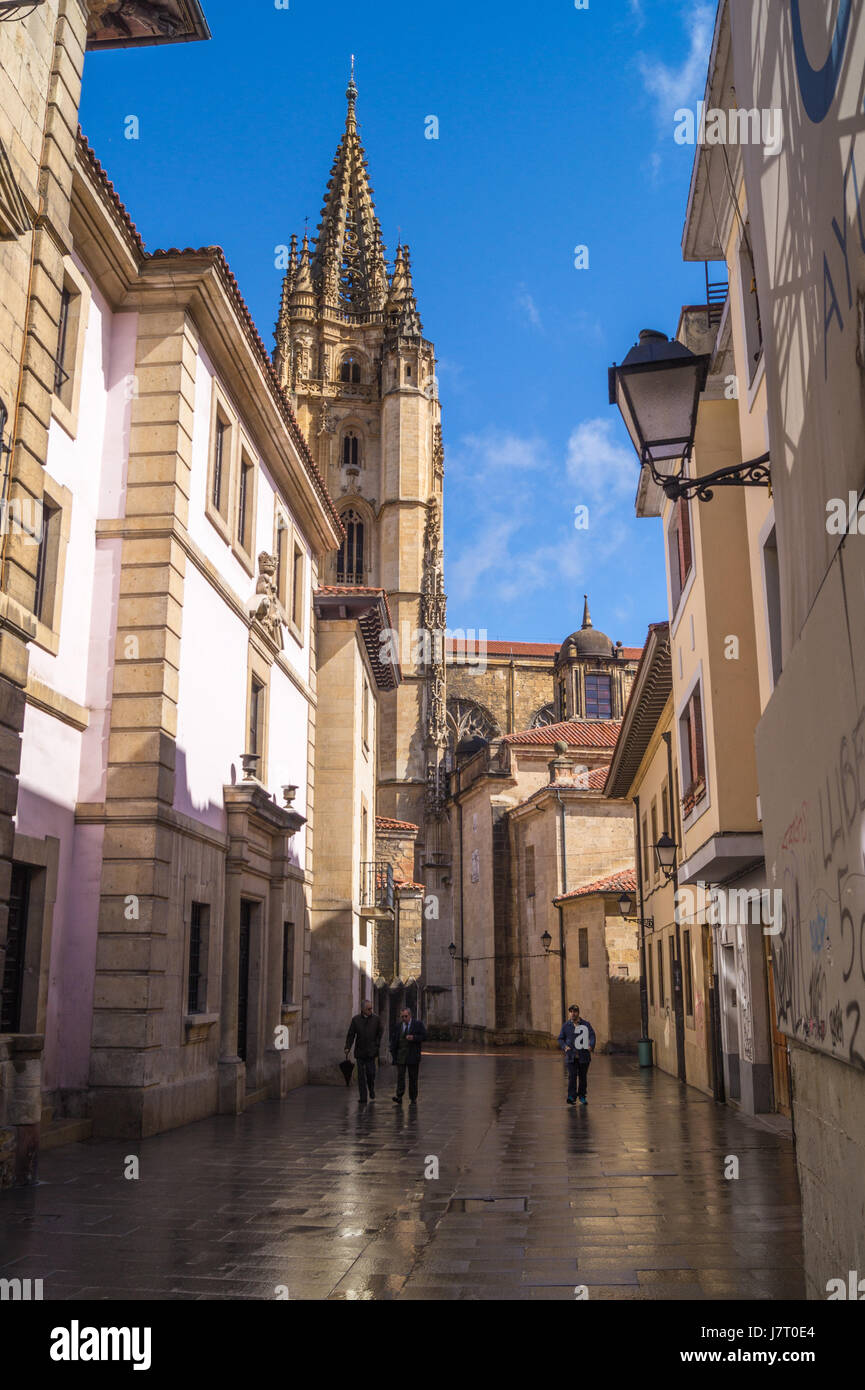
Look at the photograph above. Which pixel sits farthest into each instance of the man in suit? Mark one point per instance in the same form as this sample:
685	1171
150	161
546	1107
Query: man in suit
405	1046
577	1041
365	1032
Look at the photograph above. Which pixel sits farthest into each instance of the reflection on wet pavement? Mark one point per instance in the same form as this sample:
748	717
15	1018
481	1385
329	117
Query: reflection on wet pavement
317	1197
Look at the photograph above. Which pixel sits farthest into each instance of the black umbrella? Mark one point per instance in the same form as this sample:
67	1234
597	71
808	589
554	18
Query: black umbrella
347	1068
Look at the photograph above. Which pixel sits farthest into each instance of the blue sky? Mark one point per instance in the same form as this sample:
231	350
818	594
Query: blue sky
555	131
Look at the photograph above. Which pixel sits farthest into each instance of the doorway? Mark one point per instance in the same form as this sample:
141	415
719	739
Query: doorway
16	950
247	908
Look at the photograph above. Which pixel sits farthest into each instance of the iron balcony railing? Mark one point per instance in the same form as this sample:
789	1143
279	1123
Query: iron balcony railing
376	886
716	298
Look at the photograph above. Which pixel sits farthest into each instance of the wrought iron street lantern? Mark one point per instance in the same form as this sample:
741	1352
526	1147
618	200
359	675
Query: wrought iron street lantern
657	389
665	853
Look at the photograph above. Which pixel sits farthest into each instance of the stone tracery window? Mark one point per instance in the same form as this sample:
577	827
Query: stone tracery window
544	716
350	560
350	450
349	370
467	722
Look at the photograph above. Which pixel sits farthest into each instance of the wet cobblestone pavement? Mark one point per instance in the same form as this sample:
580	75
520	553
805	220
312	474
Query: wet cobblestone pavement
626	1195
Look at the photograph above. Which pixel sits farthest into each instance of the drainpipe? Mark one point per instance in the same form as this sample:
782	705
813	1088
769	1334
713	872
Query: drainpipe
678	1001
644	984
561	912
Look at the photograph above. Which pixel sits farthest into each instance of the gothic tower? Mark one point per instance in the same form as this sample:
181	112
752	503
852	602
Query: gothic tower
350	352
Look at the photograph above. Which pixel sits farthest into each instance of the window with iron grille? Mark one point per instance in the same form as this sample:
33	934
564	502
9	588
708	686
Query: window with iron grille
196	992
61	373
599	699
349	561
679	546
219	458
584	946
46	564
243	500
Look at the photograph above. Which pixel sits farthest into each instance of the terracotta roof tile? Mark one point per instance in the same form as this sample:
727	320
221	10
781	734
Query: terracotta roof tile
407	883
586	734
623	882
386	823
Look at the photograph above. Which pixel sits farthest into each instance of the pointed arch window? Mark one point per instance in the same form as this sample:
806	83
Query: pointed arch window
350	450
350	560
349	370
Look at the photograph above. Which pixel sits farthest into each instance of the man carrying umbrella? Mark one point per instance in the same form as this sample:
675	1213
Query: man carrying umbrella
365	1032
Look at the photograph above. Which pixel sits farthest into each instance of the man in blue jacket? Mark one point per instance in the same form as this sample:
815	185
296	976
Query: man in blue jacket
577	1041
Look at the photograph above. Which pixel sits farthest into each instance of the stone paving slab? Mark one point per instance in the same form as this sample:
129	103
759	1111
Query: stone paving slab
626	1195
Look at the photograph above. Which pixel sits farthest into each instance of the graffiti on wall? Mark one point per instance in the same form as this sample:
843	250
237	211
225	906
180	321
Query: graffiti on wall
819	955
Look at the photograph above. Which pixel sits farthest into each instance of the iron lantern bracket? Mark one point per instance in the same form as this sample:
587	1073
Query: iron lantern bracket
752	473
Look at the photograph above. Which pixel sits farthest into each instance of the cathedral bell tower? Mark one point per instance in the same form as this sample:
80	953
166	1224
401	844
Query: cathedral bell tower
350	352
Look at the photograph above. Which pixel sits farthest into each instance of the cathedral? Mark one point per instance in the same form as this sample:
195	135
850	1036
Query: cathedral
352	356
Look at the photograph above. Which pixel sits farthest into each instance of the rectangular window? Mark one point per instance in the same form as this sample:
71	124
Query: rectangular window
661	987
679	547
672	968
364	733
62	365
772	580
14	957
599	699
47	564
650	961
297	588
244	504
196	991
646	859
693	756
584	946
282	562
530	871
288	962
750	305
665	810
256	719
688	979
654	860
220	465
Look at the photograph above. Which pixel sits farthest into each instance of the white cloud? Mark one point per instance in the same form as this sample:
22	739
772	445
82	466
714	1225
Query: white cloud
529	307
603	469
673	87
492	452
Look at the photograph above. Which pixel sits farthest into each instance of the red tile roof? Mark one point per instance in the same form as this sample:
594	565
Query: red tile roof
624	882
595	782
457	646
386	823
600	734
406	883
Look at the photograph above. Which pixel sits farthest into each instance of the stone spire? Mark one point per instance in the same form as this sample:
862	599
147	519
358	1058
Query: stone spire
348	267
401	302
587	617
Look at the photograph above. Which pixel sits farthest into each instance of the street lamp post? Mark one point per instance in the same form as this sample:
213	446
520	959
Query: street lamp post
657	389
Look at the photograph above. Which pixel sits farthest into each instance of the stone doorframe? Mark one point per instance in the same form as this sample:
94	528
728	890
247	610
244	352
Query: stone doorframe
256	868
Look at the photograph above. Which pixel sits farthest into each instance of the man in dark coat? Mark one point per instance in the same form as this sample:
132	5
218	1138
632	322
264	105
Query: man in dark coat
405	1046
577	1041
365	1032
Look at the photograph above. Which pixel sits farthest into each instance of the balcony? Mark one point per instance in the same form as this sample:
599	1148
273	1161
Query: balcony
376	888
